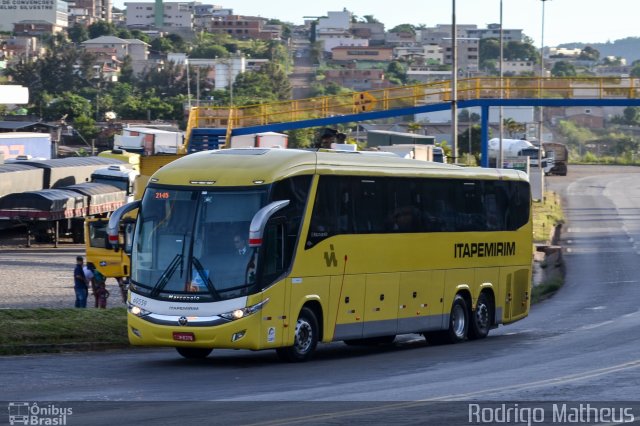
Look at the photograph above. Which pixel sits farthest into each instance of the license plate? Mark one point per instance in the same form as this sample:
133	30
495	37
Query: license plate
183	336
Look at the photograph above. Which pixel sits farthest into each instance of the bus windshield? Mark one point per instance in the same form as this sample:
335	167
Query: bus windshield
193	245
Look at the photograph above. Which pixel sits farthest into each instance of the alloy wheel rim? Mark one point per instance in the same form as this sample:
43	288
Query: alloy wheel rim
304	335
458	321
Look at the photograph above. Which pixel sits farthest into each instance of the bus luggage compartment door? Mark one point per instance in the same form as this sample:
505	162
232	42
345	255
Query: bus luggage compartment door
381	305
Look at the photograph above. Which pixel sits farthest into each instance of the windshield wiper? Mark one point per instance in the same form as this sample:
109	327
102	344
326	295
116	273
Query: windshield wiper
166	275
205	278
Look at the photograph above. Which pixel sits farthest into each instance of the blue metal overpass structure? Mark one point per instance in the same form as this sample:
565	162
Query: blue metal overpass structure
210	128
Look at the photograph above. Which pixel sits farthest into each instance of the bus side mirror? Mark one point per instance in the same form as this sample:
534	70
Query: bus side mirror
113	228
259	221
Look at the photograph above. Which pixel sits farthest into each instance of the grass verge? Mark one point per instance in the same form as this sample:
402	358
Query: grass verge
546	215
55	330
546	289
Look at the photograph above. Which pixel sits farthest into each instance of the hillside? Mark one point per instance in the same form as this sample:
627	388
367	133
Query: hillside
628	48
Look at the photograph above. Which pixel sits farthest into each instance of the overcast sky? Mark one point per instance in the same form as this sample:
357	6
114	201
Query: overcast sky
566	21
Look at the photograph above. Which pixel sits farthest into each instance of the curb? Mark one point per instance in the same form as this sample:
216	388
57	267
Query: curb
60	347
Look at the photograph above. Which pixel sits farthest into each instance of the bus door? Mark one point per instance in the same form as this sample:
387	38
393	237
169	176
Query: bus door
517	293
381	305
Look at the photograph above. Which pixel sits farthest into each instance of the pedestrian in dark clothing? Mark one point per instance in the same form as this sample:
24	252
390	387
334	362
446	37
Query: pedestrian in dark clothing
80	284
102	294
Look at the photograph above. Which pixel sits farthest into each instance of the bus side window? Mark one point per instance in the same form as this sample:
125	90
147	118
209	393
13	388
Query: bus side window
370	208
325	213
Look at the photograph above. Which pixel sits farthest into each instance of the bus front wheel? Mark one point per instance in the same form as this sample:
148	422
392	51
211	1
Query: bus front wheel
194	353
481	318
305	339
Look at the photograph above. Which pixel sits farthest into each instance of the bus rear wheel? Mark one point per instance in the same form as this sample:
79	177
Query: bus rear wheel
481	318
305	339
194	353
458	324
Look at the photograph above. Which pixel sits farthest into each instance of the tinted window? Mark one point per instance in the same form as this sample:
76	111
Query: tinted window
363	205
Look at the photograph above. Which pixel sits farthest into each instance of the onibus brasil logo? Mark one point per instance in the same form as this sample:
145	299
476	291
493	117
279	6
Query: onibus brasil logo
30	413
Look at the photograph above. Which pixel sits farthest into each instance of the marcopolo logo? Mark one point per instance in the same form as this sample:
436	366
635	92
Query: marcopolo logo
27	413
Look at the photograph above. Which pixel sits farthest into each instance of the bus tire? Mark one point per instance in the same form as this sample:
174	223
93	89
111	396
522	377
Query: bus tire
305	339
458	324
481	318
194	353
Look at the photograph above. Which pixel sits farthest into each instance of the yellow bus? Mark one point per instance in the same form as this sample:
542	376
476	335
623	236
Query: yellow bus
341	247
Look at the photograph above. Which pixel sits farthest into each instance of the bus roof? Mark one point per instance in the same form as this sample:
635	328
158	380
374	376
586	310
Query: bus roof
251	166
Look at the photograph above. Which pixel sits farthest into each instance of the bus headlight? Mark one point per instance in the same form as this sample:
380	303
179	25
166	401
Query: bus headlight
244	312
137	310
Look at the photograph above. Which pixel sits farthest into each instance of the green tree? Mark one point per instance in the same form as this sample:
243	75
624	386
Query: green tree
301	138
86	126
177	41
512	127
209	52
397	72
631	115
161	45
67	104
516	50
403	28
139	35
101	28
563	69
268	84
635	71
78	33
589	54
126	71
123	33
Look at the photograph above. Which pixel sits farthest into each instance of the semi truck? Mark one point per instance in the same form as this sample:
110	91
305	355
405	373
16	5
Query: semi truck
519	148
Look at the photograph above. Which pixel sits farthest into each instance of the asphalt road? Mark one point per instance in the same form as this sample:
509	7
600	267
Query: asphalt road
582	345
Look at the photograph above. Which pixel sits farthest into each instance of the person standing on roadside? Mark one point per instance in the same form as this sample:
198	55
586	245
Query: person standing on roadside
80	284
88	269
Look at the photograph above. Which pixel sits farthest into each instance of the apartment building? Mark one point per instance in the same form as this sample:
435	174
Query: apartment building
362	53
357	79
15	11
173	15
243	27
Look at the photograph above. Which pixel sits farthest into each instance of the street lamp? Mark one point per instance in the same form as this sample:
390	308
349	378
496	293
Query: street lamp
454	84
541	116
500	158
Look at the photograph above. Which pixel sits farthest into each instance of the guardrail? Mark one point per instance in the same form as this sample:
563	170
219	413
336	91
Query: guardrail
411	96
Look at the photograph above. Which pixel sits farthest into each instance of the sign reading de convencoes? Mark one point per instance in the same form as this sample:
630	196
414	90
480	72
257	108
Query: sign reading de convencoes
27	4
